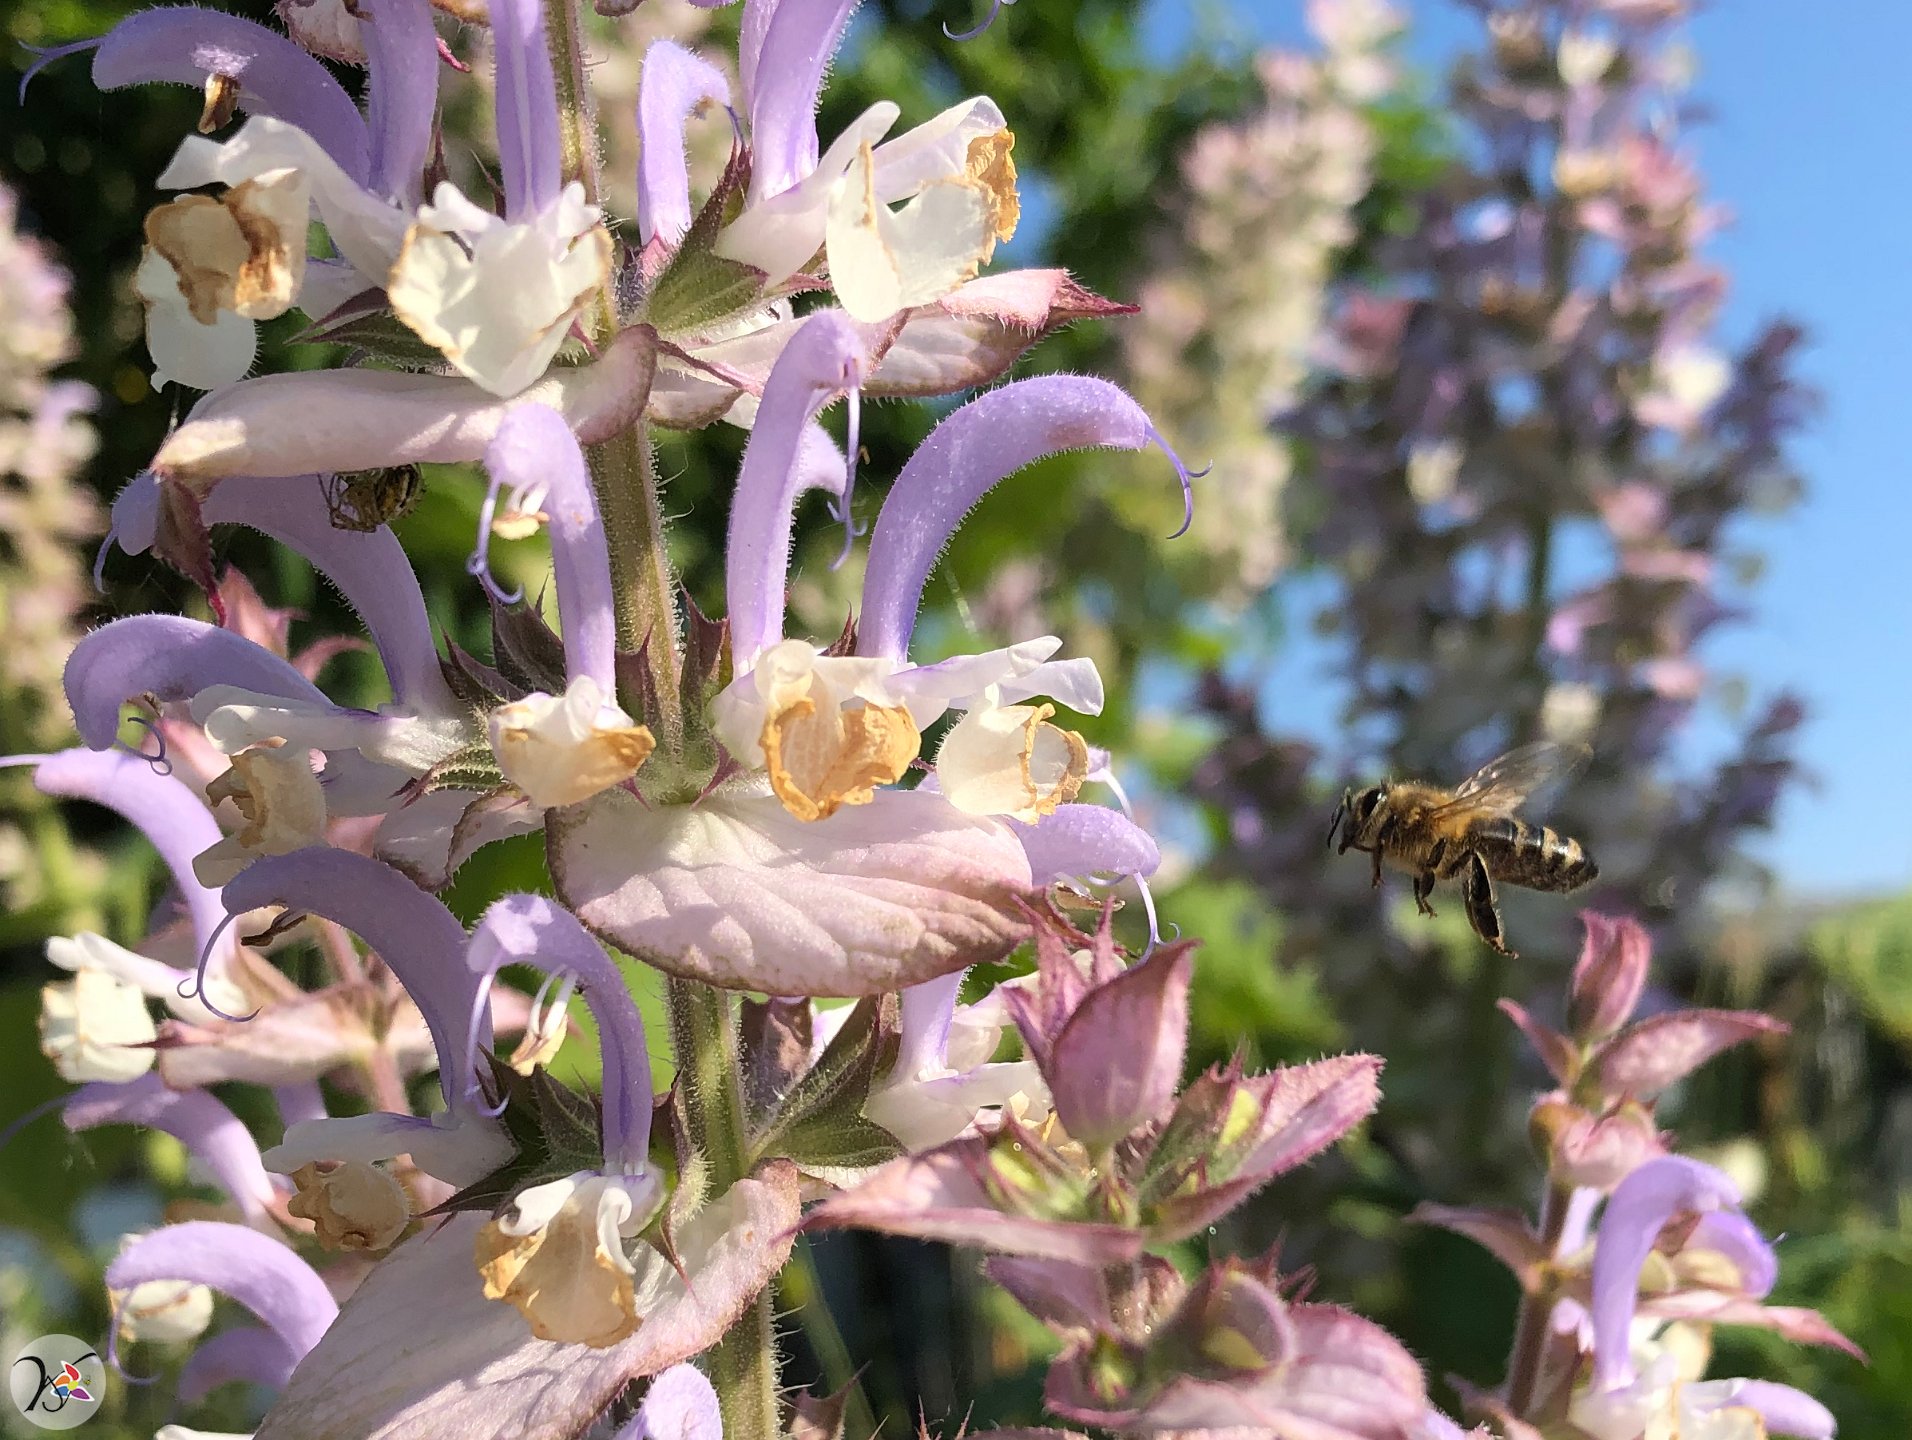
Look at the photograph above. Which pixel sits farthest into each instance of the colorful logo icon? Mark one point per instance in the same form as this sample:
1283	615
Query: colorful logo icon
56	1382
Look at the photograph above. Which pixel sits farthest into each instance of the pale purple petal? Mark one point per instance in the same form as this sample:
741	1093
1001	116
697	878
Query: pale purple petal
531	930
1082	841
534	446
820	465
207	1129
987	440
358	419
739	893
674	83
460	1147
421	1353
299	1101
927	1011
436	833
412	932
801	38
823	359
401	94
183	45
1785	1410
166	811
680	1405
369	568
1636	1213
173	658
751	29
262	1274
528	155
248	1354
1729	1233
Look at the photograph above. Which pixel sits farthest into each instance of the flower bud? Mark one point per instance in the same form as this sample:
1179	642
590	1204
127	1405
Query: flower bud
1608	977
1601	1151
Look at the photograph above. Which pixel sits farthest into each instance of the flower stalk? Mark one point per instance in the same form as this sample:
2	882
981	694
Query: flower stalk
743	1365
644	587
1527	1354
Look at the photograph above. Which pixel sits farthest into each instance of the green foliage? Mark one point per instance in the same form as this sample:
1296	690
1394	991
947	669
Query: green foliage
1244	996
1869	949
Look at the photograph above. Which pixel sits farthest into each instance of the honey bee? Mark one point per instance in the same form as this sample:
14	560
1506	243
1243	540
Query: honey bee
363	500
1471	832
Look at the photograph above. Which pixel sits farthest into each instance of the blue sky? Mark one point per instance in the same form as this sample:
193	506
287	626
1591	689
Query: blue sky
1807	145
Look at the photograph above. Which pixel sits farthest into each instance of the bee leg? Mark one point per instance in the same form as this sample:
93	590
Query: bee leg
1424	882
1477	895
1376	884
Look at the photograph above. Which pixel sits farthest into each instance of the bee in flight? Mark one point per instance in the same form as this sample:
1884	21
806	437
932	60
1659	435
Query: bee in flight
1471	832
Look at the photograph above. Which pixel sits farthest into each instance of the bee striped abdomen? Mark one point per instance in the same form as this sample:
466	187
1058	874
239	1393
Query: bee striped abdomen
1534	856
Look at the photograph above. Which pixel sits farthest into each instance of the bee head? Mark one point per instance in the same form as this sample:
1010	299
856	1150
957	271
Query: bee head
1352	815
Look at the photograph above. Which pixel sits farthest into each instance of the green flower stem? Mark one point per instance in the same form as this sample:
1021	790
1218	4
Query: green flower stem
743	1365
643	585
743	1370
704	1038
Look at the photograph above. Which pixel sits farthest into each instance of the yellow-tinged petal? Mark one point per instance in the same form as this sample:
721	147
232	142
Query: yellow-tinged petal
496	299
243	252
352	1205
167	1312
563	749
823	757
281	801
1008	760
883	260
557	1257
992	169
184	351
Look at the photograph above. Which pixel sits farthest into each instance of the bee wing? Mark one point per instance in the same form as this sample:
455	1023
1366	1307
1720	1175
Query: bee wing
1504	783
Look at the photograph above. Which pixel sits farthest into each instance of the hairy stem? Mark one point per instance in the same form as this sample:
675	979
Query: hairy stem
643	585
743	1368
743	1365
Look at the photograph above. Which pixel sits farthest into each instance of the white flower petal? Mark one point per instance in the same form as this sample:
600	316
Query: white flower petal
883	260
497	299
185	352
94	1027
930	690
458	1150
1075	684
780	234
1009	760
165	1312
